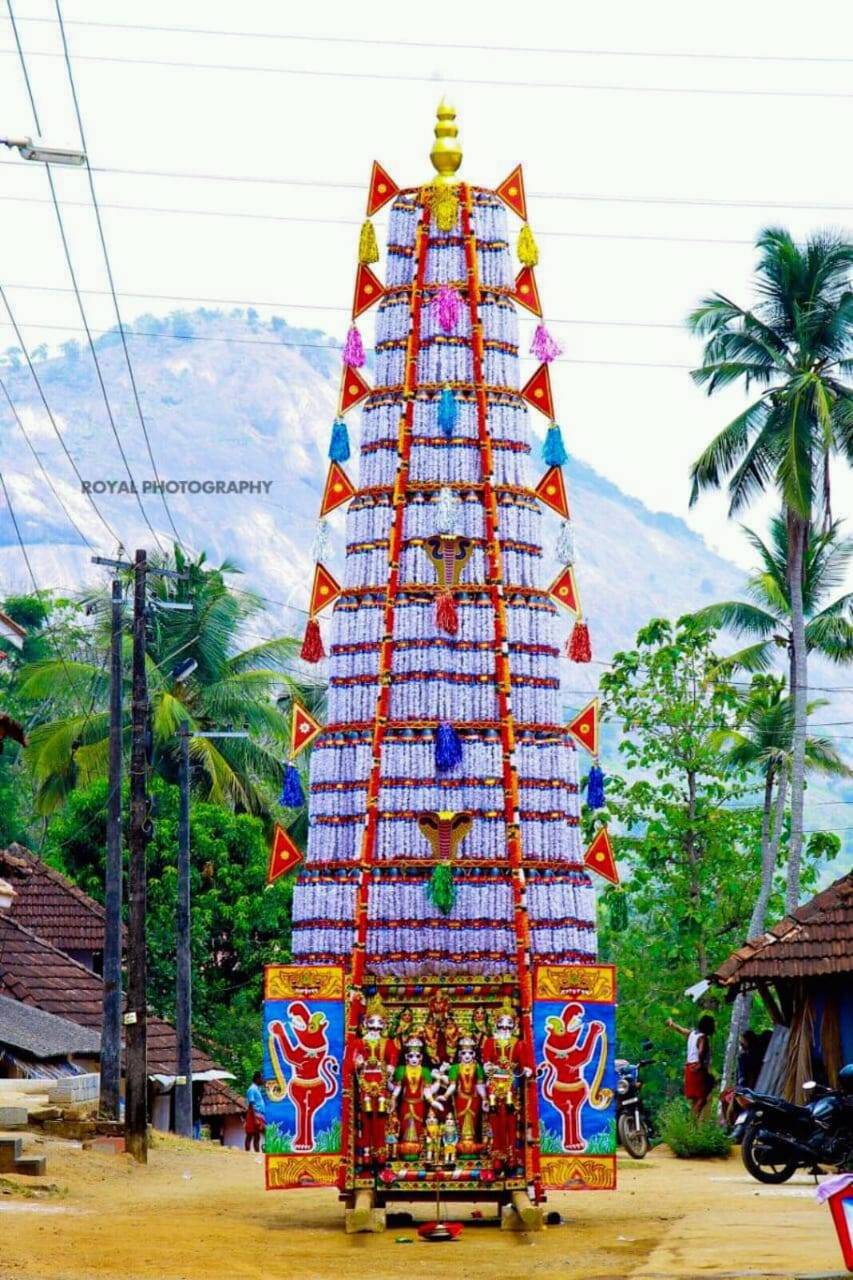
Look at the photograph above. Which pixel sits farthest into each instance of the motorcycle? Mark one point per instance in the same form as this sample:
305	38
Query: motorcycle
631	1123
779	1137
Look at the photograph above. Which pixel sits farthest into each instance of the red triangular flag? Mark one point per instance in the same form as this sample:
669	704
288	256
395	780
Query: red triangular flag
525	291
323	591
303	729
284	855
382	189
584	727
339	489
511	191
537	391
353	389
368	289
551	490
564	589
601	858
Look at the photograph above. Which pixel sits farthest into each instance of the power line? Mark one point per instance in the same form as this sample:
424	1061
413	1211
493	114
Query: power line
30	365
323	346
87	715
443	45
355	222
73	277
41	466
361	187
272	304
408	78
108	265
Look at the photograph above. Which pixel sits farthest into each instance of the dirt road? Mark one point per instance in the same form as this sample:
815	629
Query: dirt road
199	1212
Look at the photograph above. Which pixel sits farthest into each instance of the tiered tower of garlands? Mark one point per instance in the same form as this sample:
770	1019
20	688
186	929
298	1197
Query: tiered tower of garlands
445	867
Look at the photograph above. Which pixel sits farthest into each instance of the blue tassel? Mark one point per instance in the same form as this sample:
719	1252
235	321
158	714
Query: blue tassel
448	748
292	796
595	788
339	443
448	412
554	451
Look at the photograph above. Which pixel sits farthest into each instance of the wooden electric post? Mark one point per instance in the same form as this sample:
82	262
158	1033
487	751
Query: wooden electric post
111	1026
183	1004
136	1090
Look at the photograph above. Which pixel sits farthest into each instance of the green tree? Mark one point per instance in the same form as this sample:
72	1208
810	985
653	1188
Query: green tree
229	685
796	343
238	923
761	745
766	618
691	839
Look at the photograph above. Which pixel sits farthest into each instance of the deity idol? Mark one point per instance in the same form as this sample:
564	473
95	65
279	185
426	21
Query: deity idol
467	1088
415	1092
373	1057
505	1059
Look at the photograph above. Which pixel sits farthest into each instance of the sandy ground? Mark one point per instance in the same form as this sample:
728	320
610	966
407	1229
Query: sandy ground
199	1212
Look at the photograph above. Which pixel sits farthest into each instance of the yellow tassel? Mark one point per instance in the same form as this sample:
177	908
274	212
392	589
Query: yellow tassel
528	251
368	249
445	206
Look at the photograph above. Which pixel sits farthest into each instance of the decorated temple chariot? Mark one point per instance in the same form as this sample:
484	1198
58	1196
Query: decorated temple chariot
444	1027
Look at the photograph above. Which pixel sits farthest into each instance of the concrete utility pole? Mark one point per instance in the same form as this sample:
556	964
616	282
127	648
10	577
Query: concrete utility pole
111	1025
136	1019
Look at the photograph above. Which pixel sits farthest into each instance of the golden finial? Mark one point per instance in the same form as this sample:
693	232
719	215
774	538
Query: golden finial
446	154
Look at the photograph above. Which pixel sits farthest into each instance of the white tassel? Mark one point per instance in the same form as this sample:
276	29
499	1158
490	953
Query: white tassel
565	548
446	511
321	541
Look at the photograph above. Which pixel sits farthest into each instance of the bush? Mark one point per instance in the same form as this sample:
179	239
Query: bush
689	1138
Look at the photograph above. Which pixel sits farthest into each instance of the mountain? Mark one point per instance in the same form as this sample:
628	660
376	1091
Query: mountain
229	397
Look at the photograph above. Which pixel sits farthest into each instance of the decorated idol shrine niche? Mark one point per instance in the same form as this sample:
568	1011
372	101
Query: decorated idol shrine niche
445	873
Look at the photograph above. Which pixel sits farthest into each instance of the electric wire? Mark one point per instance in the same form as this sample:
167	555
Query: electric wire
481	82
73	277
361	186
41	466
444	45
108	266
355	222
114	537
324	346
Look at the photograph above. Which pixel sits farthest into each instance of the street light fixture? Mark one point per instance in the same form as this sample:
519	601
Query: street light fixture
30	150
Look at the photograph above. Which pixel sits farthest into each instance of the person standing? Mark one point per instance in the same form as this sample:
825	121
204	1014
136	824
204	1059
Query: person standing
698	1080
255	1122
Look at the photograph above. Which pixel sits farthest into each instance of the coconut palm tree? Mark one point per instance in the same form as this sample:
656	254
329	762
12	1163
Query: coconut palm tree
797	344
229	685
761	742
766	617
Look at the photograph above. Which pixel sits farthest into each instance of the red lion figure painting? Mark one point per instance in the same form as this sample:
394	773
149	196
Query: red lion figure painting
313	1071
567	1049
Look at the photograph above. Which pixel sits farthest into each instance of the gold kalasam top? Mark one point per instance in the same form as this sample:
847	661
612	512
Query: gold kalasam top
446	154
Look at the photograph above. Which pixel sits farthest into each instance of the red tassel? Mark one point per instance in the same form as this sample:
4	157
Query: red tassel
579	649
312	645
446	614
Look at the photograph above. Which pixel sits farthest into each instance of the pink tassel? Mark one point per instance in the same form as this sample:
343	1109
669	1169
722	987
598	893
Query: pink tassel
448	305
543	346
353	354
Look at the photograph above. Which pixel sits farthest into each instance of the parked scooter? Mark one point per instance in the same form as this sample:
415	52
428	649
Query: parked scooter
631	1123
779	1137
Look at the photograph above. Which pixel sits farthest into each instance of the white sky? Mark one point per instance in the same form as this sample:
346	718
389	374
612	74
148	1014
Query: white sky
638	264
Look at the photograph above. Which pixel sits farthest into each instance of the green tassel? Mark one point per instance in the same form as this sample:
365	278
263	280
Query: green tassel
441	889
